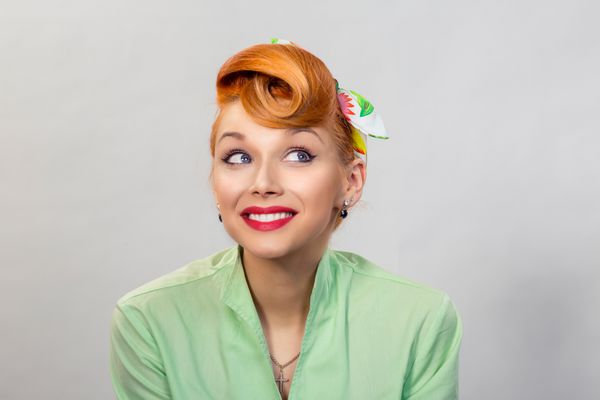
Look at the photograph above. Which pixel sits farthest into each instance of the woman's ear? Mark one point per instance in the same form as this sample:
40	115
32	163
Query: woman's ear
355	180
211	183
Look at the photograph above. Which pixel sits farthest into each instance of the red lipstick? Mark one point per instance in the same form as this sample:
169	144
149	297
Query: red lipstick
267	225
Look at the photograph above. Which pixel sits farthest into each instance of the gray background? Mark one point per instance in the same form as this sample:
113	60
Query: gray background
488	189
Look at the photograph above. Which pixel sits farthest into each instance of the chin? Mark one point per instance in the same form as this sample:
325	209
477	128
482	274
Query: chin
277	243
266	248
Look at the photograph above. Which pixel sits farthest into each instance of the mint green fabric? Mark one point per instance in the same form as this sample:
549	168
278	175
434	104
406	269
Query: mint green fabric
370	335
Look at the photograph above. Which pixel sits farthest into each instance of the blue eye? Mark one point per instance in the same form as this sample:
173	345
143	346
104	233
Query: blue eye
301	155
239	156
236	157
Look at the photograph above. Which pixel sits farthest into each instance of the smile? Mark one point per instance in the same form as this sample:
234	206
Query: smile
269	218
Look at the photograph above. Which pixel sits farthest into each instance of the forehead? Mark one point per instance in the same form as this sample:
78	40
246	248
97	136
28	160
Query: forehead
234	118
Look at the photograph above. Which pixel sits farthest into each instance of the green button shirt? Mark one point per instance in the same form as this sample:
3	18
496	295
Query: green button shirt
195	334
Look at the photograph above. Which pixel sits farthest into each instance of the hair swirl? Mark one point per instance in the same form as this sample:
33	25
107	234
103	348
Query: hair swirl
283	86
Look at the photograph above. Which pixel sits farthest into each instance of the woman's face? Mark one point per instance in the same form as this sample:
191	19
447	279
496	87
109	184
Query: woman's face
279	190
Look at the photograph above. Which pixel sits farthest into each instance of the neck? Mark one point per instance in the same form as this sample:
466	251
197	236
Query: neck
281	287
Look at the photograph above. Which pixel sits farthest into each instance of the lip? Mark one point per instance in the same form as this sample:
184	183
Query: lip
264	225
267	210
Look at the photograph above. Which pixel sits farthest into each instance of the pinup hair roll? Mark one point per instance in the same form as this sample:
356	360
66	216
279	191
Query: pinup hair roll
283	86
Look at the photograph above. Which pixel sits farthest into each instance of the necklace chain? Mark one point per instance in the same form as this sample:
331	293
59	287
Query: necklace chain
281	380
284	365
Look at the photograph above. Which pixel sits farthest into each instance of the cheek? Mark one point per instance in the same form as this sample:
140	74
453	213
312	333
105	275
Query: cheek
315	187
227	187
318	187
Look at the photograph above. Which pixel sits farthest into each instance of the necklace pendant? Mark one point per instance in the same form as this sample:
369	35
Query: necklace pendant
280	381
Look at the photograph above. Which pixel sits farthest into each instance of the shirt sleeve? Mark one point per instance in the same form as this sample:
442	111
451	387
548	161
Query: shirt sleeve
136	366
434	371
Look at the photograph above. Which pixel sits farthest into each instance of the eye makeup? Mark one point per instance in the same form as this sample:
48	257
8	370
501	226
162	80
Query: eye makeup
229	153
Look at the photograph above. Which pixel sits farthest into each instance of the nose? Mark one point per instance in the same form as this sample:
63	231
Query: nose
266	180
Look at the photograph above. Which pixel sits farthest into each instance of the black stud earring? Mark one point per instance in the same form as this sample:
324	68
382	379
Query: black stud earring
344	212
220	218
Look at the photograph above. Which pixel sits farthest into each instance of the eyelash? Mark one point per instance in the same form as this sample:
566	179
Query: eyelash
296	148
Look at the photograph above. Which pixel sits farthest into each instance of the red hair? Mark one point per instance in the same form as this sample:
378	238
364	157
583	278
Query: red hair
283	86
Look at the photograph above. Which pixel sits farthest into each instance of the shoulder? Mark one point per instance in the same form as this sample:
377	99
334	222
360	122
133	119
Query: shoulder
389	287
375	291
197	272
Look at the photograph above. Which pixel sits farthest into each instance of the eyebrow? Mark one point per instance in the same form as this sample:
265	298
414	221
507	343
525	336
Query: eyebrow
291	131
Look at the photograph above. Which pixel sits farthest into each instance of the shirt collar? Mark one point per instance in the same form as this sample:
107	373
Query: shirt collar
236	293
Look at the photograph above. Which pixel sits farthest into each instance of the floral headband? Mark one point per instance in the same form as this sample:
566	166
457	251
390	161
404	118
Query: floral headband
359	112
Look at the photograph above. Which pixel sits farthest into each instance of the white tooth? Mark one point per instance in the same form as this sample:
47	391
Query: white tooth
269	217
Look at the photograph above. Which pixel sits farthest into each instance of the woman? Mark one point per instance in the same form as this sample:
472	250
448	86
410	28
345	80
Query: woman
282	315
